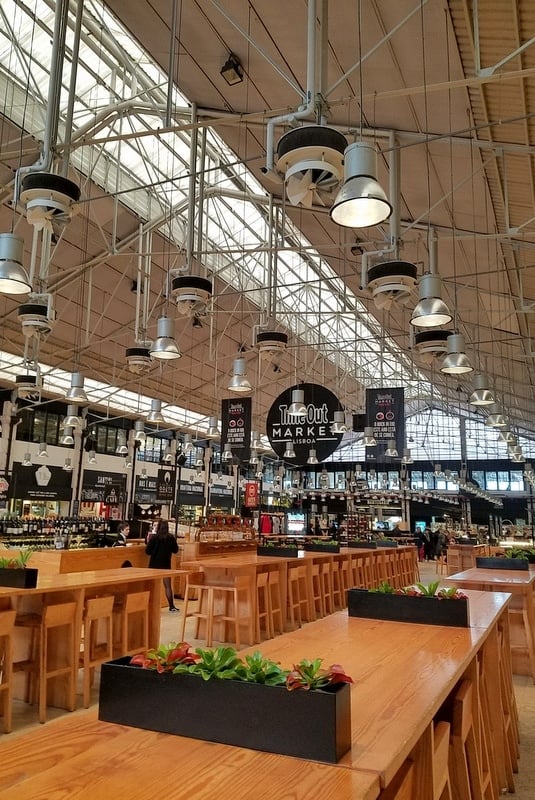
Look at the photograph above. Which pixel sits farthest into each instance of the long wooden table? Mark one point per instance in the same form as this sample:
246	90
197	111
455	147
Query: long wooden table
403	674
76	587
521	584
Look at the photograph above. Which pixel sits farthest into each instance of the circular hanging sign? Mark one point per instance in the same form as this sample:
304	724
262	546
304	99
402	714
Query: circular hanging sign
310	431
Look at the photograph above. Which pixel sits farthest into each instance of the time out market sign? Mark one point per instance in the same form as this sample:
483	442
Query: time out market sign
311	430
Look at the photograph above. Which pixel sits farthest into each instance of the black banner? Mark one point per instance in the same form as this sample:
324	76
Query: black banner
312	431
385	413
40	483
165	489
236	426
103	487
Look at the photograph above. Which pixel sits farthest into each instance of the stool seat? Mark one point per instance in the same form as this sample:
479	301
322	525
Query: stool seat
97	643
131	624
7	622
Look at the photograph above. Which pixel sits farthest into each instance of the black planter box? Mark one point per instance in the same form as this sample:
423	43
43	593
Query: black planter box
321	548
386	543
406	608
367	545
315	725
501	563
19	578
282	552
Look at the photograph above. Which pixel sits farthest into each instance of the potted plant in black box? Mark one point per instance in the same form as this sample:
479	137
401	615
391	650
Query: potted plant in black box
322	546
215	695
418	604
279	549
15	573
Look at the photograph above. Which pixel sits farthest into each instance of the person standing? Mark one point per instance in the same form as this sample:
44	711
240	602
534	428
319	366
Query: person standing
160	548
124	530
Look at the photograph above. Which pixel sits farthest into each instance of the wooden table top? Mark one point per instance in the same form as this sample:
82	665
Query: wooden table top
91	578
402	674
100	761
509	578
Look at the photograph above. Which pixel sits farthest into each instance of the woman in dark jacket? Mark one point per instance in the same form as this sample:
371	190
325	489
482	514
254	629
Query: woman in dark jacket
160	548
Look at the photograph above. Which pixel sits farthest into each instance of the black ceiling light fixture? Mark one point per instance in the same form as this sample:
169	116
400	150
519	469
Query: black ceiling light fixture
232	70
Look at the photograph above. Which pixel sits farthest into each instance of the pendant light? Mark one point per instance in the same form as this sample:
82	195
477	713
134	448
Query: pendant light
91	457
121	449
255	440
67	438
42	450
496	417
506	436
456	361
213	427
431	311
361	202
67	466
312	457
254	457
260	470
239	381
13	277
407	458
482	395
27	460
289	451
170	452
76	393
226	455
187	445
297	407
391	449
369	438
71	420
339	423
143	474
155	413
127	463
164	347
139	431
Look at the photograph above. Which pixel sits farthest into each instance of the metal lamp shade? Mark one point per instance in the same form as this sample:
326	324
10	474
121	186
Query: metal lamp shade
164	348
13	277
297	407
482	395
361	201
239	381
456	361
76	393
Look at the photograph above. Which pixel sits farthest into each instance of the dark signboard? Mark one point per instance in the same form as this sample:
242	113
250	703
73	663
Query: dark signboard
103	487
311	431
222	496
236	426
145	490
190	494
40	482
385	413
165	487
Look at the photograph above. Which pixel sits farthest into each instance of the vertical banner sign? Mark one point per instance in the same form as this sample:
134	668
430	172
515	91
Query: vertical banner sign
251	494
236	426
385	413
165	486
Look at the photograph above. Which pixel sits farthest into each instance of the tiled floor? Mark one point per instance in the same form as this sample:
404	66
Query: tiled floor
26	717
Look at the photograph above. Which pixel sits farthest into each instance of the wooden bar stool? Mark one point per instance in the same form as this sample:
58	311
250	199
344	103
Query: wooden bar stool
54	652
98	639
401	787
469	763
317	591
297	596
263	607
238	603
338	592
7	622
131	622
441	777
327	586
200	593
275	602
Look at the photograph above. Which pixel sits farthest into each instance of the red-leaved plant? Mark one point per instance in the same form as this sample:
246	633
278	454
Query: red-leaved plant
166	657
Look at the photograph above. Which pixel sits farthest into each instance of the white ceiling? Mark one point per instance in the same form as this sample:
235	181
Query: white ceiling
447	92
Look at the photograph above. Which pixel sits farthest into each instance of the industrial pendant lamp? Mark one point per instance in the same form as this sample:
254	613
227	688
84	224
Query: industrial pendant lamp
312	457
155	413
496	417
289	451
71	420
226	455
391	449
456	361
297	407
187	445
339	423
213	427
91	457
42	450
13	277
430	311
139	431
361	201
27	460
482	395
122	448
369	438
170	452
164	347
76	393
67	438
67	466
239	381
407	458
254	457
506	436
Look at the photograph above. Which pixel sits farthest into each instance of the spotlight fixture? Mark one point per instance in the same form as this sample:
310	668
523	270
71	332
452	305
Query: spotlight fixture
391	449
127	463
42	450
213	429
71	420
122	448
369	438
187	445
456	361
232	70
431	311
361	202
196	322
496	417
27	460
76	393
482	395
164	348
91	457
239	381
226	455
312	457
67	466
297	407
155	413
13	277
289	451
170	452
